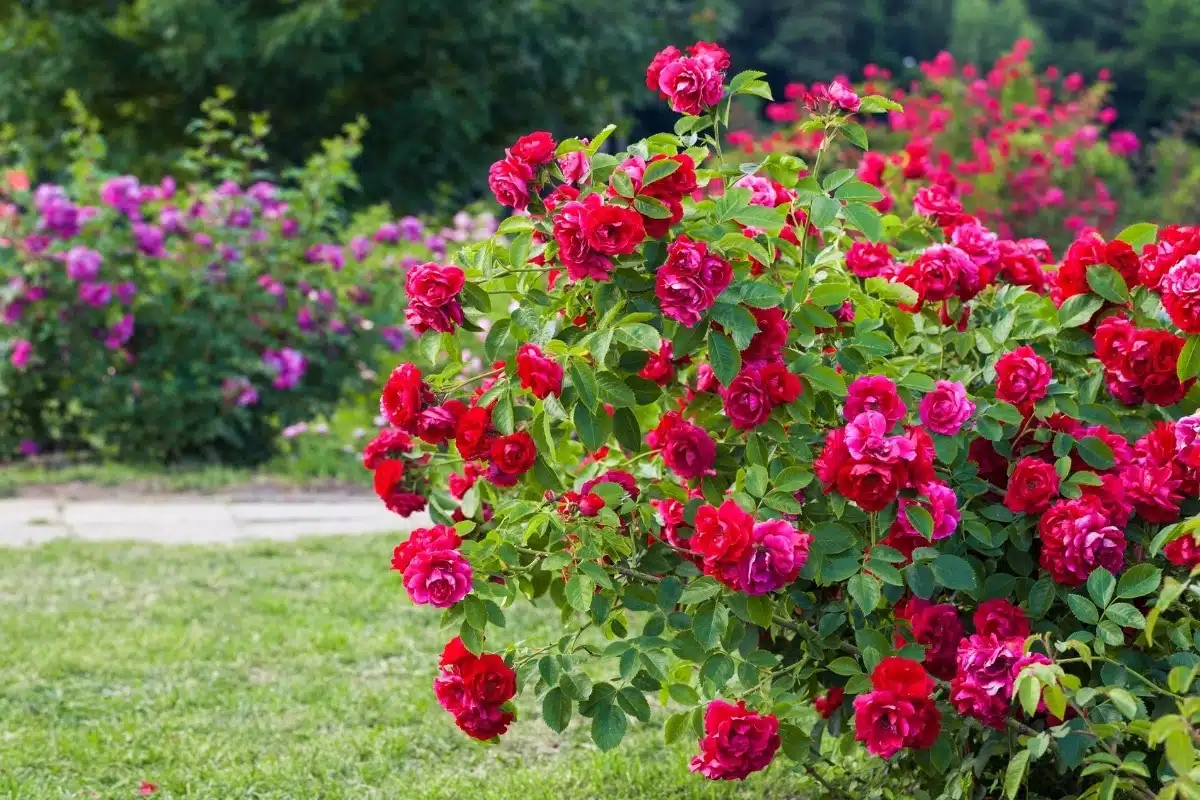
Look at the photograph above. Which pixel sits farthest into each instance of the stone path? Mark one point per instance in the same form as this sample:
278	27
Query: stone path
192	520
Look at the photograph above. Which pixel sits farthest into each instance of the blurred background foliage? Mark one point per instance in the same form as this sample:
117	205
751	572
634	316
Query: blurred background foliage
446	84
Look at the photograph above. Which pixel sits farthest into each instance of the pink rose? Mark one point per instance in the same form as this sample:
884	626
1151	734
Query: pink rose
509	180
946	408
874	393
439	578
843	96
737	741
692	85
22	351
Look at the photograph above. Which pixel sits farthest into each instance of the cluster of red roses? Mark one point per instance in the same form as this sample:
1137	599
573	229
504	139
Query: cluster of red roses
745	555
863	460
899	711
690	83
435	573
685	448
410	406
433	303
988	664
737	741
688	283
1140	363
475	690
513	177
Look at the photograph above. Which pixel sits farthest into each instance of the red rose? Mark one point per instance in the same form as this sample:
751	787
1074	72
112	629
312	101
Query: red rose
828	703
680	182
436	424
1022	377
722	535
432	284
681	296
535	148
388	481
538	372
773	329
404	396
782	385
871	486
937	203
574	248
902	677
513	454
613	230
473	433
691	85
711	52
736	742
1001	618
1181	294
747	404
489	680
687	449
509	180
936	627
887	723
1175	242
389	443
868	260
1032	486
940	271
661	59
1112	340
874	393
660	367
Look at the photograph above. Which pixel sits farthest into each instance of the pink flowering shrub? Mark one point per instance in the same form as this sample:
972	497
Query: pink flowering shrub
799	477
1031	155
197	317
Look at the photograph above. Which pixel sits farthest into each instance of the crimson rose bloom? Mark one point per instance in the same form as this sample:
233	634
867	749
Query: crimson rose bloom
747	403
1184	551
436	424
902	677
574	247
388	482
940	270
538	372
388	443
874	393
535	148
737	741
439	578
432	284
691	85
828	703
687	449
867	260
776	557
1031	487
613	230
999	617
782	385
937	203
439	537
773	329
872	486
937	628
513	454
946	408
1087	251
1076	539
1022	377
722	536
509	180
474	432
887	723
474	688
404	397
1175	242
667	55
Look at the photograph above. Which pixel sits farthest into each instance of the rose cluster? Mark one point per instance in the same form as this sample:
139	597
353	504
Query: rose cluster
690	82
1140	363
745	555
988	667
864	460
435	573
690	280
899	711
475	690
433	297
514	177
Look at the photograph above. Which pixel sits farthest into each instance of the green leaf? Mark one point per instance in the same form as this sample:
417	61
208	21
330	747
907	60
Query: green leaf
845	666
1125	615
865	590
657	170
1188	365
557	709
627	430
793	479
1083	609
1005	412
920	519
856	190
683	694
699	590
824	211
591	427
1077	310
855	134
1138	235
865	219
1125	702
725	359
502	414
738	322
954	572
677	724
826	379
767	219
718	669
639	335
760	295
1100	586
652	207
1096	452
829	293
584	381
709	625
1108	283
1015	774
1139	581
836	178
877	104
614	390
608	727
579	592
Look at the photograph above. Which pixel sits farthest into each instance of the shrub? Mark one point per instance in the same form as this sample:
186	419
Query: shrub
194	321
808	476
1024	150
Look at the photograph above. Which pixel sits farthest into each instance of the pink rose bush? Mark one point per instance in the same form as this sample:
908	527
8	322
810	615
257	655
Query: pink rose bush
790	470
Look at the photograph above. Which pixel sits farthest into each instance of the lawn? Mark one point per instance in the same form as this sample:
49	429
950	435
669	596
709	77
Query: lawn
270	670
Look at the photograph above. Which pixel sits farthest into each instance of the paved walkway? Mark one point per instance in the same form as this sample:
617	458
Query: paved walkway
192	520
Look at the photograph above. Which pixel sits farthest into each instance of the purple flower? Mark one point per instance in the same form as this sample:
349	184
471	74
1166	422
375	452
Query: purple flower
326	298
95	294
126	291
119	333
436	245
171	219
22	351
305	319
203	240
239	391
123	194
29	448
149	239
83	264
388	233
360	246
359	295
289	228
37	243
240	218
287	365
292	431
393	336
58	214
229	189
411	229
228	253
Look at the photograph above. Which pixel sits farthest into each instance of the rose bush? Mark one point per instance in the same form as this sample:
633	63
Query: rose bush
196	321
797	472
1030	154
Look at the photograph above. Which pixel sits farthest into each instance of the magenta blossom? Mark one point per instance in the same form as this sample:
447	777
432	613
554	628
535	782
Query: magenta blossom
439	578
946	408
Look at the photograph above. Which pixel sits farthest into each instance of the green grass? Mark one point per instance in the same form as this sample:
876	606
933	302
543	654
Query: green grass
273	670
161	479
